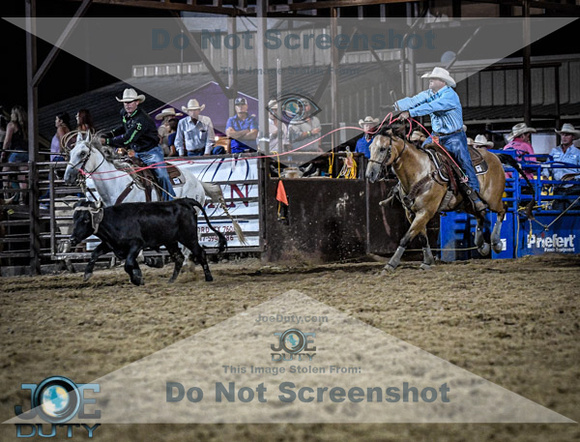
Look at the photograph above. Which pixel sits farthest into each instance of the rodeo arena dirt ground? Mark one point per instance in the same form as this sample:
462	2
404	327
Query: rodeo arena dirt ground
513	322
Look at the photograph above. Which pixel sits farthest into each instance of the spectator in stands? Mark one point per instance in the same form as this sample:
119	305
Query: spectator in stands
16	139
84	123
62	124
481	142
172	124
442	104
519	141
195	135
274	123
305	130
242	128
163	130
3	124
566	152
138	134
363	143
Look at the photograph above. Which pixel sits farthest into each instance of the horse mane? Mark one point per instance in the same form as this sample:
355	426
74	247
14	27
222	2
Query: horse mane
107	151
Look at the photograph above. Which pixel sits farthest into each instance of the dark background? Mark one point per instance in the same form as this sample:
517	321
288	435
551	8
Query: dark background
70	76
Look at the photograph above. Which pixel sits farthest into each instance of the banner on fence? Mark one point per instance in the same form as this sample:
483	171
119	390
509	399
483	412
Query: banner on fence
239	182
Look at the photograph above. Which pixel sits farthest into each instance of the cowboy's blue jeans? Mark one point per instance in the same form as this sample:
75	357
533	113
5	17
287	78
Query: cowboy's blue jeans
155	157
456	145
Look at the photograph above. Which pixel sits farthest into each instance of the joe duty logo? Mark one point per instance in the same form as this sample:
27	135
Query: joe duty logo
293	345
57	400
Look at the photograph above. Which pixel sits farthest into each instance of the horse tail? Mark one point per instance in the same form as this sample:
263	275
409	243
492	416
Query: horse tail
214	191
222	242
511	161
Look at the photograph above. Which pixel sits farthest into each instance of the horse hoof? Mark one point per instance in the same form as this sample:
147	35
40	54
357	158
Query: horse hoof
154	262
209	278
484	249
87	276
388	269
425	266
497	247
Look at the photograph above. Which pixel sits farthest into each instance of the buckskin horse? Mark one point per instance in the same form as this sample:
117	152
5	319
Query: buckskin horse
424	194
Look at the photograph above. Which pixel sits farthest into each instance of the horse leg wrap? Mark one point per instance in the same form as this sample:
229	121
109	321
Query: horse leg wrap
396	258
478	237
495	238
428	259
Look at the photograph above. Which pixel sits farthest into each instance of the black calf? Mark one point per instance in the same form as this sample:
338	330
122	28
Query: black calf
126	229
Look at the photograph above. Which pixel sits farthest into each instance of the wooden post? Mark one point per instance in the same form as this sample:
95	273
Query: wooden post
32	92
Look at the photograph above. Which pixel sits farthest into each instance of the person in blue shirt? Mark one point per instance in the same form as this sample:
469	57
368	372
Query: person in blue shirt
242	128
364	142
566	152
195	134
442	104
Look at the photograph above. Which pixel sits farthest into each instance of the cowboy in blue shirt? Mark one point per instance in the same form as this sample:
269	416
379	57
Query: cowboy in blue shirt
364	142
566	152
442	104
242	128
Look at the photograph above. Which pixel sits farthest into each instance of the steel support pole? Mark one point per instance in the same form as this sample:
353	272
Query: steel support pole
263	126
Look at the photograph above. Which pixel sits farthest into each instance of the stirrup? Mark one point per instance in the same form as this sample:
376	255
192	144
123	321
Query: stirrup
479	205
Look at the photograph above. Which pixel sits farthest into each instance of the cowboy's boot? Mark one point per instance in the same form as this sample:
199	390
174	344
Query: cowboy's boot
476	202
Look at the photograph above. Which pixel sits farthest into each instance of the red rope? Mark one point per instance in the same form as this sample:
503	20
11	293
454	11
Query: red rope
162	164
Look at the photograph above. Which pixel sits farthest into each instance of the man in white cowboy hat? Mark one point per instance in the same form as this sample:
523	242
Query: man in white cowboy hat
481	141
138	134
364	142
195	135
242	128
442	104
167	113
418	137
164	129
519	140
567	153
274	123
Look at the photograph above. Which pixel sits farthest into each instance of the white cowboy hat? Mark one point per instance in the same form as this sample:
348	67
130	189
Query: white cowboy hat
417	135
567	128
441	74
193	104
368	120
169	112
130	95
481	140
520	129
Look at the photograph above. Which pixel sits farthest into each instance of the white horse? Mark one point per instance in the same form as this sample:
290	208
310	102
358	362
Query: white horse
89	155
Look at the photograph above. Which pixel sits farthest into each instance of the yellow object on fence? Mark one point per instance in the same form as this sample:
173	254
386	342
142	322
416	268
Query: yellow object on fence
349	168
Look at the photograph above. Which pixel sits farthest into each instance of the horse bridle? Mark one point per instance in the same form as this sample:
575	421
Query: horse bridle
84	161
389	149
